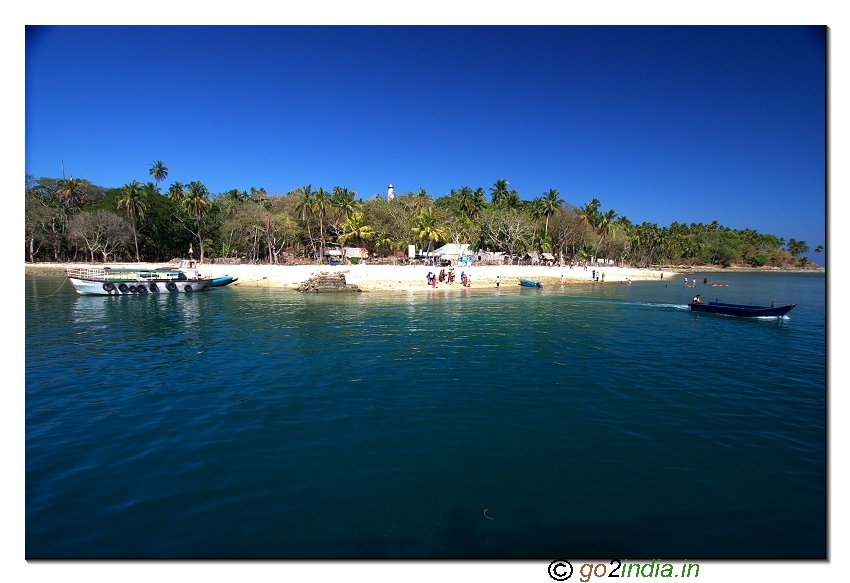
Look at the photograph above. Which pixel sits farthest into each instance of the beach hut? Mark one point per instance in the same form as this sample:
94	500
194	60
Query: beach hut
450	252
333	256
355	254
489	257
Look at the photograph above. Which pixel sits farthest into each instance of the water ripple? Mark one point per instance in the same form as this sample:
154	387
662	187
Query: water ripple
267	423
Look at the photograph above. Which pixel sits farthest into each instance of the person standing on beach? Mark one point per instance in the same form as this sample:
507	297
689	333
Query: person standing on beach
497	282
603	277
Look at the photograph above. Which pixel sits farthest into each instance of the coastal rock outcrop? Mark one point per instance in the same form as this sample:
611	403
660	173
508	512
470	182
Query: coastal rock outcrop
327	283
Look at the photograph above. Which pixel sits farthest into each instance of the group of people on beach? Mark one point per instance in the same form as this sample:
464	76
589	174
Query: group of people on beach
447	277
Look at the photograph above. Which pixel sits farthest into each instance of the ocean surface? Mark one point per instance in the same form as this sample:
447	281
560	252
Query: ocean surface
600	420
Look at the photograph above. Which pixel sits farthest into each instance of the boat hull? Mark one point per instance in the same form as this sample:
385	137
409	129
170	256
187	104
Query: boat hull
105	281
742	311
129	288
223	280
529	283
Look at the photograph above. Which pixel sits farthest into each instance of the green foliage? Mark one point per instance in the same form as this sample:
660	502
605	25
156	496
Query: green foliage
267	227
759	260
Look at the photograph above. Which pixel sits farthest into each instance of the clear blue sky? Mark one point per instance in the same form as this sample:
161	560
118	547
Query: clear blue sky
662	124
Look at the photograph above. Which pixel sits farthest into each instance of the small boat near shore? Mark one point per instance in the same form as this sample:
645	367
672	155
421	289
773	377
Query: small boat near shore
530	283
223	280
105	281
744	311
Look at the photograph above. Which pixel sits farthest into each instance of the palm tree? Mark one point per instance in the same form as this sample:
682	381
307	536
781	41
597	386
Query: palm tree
134	205
638	236
659	239
466	201
197	204
426	226
470	202
355	228
512	201
321	205
236	195
159	172
548	205
344	201
590	212
259	195
70	193
624	226
385	242
479	199
304	208
176	192
585	251
499	192
605	225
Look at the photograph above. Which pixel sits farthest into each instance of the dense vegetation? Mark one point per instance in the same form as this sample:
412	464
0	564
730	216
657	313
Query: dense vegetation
74	220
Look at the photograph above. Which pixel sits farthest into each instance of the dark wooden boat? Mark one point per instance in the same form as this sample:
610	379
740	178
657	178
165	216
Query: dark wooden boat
529	283
770	311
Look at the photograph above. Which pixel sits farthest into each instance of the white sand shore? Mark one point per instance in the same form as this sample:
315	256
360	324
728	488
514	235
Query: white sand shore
391	277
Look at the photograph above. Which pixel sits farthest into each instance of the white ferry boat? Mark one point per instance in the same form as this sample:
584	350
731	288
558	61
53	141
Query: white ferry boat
185	278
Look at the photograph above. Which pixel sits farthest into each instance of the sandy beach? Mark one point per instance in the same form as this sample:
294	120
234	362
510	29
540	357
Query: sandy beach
391	277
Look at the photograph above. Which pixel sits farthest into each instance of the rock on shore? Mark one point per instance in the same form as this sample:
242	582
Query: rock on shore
327	283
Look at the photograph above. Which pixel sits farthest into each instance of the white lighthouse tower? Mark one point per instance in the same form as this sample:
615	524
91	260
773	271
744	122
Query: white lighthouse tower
390	192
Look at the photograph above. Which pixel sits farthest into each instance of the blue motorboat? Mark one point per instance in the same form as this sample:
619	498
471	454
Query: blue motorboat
223	280
530	283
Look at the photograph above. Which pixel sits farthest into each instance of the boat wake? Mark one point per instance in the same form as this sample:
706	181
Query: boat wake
636	303
655	305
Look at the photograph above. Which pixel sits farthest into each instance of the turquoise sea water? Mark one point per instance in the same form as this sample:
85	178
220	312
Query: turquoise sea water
588	420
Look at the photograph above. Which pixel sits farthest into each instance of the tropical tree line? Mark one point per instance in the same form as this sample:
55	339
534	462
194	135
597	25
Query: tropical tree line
75	220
